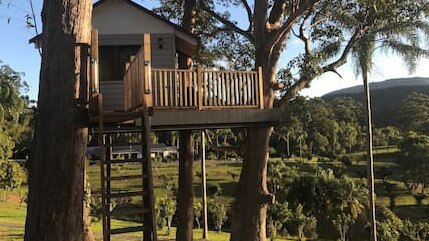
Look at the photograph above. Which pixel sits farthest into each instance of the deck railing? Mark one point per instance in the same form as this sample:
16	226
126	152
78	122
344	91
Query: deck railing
193	88
189	88
205	89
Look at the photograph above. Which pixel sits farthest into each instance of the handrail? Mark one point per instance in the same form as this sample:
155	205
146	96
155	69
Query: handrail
189	88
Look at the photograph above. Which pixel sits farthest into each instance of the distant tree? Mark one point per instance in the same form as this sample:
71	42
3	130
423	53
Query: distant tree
275	174
414	154
348	110
279	216
414	112
15	114
304	225
11	176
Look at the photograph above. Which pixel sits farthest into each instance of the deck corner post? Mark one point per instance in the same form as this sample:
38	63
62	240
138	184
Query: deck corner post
200	80
94	83
147	70
261	88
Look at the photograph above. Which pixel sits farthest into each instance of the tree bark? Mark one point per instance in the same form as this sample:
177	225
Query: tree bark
252	197
185	198
56	172
370	156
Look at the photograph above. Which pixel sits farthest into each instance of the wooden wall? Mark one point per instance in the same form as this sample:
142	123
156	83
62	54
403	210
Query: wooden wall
116	50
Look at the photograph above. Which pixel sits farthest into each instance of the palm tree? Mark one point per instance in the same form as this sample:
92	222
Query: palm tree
387	33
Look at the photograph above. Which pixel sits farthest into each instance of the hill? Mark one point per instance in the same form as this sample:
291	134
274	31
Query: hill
386	96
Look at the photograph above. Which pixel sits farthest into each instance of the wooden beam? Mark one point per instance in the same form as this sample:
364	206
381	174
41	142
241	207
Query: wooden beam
204	186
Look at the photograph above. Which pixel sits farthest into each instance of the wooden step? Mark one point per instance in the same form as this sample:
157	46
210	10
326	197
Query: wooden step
126	177
126	194
127	230
130	211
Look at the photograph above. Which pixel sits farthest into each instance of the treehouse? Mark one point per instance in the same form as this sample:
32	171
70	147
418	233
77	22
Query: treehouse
134	84
138	58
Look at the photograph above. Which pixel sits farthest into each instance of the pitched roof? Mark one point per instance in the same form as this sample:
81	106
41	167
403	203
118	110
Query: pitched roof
141	8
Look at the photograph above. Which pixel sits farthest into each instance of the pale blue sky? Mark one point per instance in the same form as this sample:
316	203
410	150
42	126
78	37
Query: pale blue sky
15	51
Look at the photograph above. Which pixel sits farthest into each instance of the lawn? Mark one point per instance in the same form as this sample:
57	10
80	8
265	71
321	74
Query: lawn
225	174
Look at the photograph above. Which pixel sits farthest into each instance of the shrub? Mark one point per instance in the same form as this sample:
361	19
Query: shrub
11	176
217	211
166	209
389	225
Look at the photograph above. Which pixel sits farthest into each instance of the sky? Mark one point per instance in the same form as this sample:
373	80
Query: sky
23	57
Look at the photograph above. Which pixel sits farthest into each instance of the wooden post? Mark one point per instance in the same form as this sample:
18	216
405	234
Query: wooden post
204	186
94	85
261	88
147	70
200	79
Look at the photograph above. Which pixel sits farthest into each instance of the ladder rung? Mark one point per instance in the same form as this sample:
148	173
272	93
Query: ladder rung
131	160
127	230
126	194
127	177
130	211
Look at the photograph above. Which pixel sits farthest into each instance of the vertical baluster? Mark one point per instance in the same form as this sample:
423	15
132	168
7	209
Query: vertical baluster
195	74
256	89
219	88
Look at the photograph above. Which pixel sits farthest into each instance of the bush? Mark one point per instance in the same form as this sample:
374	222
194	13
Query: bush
415	231
166	208
11	176
217	211
389	226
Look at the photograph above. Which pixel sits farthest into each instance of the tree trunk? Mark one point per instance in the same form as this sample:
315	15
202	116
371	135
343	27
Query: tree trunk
56	171
251	197
370	157
185	198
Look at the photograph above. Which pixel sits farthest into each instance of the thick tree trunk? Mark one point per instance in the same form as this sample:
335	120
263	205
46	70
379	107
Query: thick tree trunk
185	198
56	171
251	197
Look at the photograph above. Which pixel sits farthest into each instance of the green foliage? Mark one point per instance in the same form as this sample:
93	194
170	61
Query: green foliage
389	226
417	231
304	225
166	208
198	210
14	114
278	217
327	197
414	112
313	126
415	159
217	211
11	175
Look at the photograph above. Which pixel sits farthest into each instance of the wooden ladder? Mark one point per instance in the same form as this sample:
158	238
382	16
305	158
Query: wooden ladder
146	210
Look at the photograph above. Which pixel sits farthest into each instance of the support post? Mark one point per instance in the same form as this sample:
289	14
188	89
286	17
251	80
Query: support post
147	70
94	85
204	185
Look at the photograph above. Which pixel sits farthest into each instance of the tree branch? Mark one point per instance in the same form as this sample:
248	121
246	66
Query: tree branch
227	23
249	14
304	81
291	20
276	13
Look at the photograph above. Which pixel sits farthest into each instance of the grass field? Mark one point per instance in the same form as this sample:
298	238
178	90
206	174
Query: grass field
12	213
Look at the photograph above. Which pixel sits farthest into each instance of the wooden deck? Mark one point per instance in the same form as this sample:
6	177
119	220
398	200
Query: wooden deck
194	98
